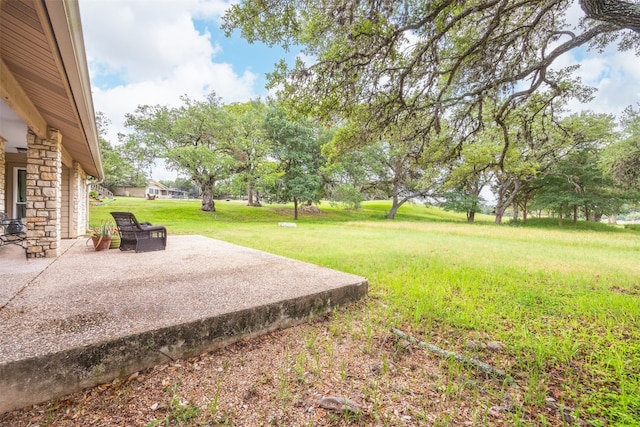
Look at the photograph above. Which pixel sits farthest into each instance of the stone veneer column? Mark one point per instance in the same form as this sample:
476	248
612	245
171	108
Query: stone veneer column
44	181
79	202
3	182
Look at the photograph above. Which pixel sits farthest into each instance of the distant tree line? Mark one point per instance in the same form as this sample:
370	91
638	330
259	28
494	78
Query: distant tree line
580	165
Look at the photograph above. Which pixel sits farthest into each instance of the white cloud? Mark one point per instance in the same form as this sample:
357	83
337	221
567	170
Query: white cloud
150	52
192	79
141	40
614	74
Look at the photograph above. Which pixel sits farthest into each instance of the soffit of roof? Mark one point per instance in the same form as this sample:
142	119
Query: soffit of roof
41	44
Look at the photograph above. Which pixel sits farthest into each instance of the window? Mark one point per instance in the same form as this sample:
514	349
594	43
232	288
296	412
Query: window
20	192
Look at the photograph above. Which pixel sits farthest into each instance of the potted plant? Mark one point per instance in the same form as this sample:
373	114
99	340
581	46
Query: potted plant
115	239
101	236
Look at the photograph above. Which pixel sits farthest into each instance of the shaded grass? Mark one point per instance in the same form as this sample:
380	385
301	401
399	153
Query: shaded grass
565	302
568	225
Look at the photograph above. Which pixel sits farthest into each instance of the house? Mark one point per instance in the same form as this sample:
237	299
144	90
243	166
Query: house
48	136
154	189
161	191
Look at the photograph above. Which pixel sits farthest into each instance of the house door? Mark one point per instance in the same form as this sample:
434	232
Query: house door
20	193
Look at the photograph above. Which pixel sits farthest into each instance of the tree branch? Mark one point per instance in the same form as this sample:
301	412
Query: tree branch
620	13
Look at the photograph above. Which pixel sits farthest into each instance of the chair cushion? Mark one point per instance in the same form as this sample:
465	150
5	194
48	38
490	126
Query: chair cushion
16	227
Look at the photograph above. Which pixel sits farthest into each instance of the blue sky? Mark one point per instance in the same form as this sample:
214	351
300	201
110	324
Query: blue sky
154	51
243	55
256	57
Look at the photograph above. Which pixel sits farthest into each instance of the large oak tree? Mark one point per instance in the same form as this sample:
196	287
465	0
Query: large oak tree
195	139
383	62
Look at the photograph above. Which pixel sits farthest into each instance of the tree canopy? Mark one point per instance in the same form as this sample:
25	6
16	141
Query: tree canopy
250	145
622	158
297	150
447	73
194	138
119	162
381	62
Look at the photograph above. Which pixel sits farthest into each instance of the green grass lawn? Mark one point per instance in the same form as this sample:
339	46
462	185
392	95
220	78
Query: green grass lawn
565	302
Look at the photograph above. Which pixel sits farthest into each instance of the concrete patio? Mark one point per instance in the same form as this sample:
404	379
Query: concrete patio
87	317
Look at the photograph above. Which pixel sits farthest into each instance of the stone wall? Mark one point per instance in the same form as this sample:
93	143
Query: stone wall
80	201
3	182
44	180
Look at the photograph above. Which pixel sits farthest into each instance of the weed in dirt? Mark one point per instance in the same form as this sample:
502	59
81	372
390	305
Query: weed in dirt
300	367
179	410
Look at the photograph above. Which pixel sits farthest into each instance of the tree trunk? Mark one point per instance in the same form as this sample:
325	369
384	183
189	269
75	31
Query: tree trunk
295	208
208	205
499	206
502	203
249	194
516	212
623	13
587	213
560	217
575	214
394	206
394	210
253	198
524	212
471	216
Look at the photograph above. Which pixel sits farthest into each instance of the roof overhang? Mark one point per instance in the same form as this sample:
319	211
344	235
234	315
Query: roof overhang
44	77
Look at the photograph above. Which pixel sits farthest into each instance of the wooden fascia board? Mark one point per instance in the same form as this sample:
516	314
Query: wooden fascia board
65	33
17	99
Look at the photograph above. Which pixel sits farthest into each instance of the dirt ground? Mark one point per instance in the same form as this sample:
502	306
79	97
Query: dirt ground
340	370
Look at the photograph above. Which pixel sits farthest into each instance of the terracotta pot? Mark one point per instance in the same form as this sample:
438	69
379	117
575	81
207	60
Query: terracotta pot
103	243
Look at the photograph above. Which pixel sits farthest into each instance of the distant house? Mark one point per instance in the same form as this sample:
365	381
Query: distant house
154	189
128	191
48	137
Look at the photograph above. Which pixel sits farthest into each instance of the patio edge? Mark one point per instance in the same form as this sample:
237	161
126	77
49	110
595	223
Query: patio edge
38	379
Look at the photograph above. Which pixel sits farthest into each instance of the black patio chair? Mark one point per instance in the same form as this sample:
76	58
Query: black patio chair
12	231
139	236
